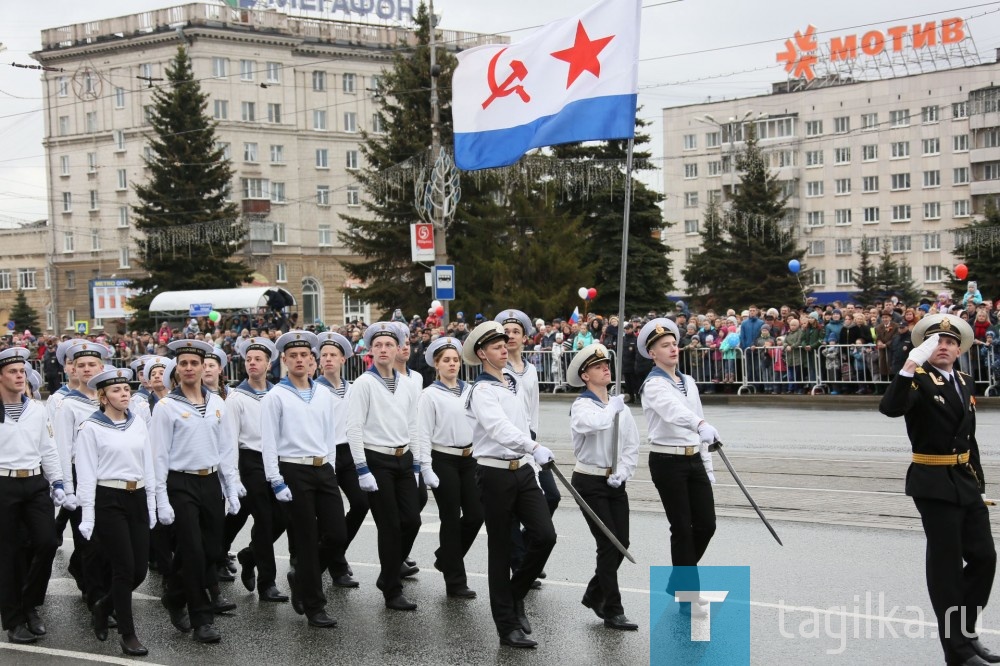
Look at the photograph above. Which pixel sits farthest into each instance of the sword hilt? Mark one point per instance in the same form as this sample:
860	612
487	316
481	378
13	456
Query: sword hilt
714	446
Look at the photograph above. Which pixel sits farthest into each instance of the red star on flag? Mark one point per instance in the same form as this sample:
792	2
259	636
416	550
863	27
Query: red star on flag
582	56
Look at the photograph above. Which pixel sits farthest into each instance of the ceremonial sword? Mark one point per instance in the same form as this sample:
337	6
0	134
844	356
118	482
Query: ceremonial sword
717	447
590	512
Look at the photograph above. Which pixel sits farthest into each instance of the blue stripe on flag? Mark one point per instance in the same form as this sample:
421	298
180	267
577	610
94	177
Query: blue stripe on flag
592	119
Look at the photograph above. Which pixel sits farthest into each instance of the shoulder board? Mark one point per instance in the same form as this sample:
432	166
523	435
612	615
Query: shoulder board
964	374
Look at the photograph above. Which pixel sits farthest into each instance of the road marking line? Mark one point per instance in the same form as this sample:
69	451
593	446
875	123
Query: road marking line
71	654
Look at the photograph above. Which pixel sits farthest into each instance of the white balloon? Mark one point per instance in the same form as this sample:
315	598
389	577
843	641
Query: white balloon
582	292
435	304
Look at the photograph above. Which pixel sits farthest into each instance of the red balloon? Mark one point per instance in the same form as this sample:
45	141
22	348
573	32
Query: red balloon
440	310
591	293
961	271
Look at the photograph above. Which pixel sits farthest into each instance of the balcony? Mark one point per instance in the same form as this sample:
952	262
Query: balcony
977	155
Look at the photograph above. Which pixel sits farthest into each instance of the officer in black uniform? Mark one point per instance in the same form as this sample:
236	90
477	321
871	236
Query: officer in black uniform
945	480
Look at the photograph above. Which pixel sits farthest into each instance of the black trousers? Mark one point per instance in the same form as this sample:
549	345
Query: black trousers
510	498
268	516
347	479
611	506
87	564
550	490
121	532
200	509
316	508
686	494
461	510
961	562
396	509
27	510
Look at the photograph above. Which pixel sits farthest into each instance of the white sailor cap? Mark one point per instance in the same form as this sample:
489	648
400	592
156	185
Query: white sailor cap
653	331
137	364
296	338
218	355
947	325
63	347
109	377
404	332
485	333
383	328
439	346
84	348
514	317
13	355
337	340
258	343
586	358
188	346
153	363
168	374
34	379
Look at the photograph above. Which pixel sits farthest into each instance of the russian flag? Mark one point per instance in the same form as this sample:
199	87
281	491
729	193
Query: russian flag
573	80
575	317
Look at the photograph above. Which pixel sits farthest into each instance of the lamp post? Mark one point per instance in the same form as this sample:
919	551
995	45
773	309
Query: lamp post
730	125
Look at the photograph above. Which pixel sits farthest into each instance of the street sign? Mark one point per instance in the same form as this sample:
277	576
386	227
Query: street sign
82	327
422	242
199	309
444	282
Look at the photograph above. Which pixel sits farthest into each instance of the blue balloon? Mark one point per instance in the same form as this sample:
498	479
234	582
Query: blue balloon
794	266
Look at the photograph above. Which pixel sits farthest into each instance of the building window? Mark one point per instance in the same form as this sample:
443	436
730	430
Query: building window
278	193
325	235
349	83
842	125
842	155
869	122
95	240
713	139
869	153
931	146
319	119
119	136
690	226
90	122
147	114
933	274
67	202
255	188
690	171
70	318
690	141
960	176
322	158
814	218
932	178
123	257
4	279
932	242
690	199
64	165
248	111
119	98
871	215
351	160
323	195
901	213
26	278
899	118
220	68
715	196
280	272
223	146
900	181
220	109
845	276
63	125
122	180
62	86
353	196
355	309
94	201
991	171
247	70
250	152
900	149
844	246
817	277
71	279
960	143
274	113
959	110
714	168
279	233
843	186
319	81
814	158
311	301
816	248
123	217
962	208
901	244
378	125
350	121
274	72
814	127
932	210
277	154
842	216
690	253
68	242
91	162
930	114
814	188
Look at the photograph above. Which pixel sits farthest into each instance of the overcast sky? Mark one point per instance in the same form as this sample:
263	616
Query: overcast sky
691	50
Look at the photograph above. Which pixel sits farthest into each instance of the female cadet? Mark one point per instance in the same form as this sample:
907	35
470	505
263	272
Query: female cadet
679	460
444	438
599	477
116	487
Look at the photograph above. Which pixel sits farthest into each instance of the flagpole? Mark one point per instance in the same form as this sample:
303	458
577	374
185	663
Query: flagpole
621	300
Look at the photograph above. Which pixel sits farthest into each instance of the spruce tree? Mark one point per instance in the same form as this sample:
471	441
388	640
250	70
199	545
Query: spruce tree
190	232
865	277
979	250
23	315
704	273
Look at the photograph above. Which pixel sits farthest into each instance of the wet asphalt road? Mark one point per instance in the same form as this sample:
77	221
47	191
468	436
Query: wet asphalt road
809	598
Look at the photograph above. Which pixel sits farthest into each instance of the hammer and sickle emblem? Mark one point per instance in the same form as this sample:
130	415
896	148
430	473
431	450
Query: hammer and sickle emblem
518	72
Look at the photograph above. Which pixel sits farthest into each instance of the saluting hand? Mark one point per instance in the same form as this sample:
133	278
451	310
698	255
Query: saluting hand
922	354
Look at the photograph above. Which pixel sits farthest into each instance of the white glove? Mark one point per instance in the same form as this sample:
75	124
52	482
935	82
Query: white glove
707	432
70	502
58	496
711	477
616	404
166	514
284	495
616	479
431	479
234	505
241	490
87	529
542	455
152	518
922	353
367	483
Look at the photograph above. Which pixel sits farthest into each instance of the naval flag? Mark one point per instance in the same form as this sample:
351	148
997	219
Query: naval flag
575	79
